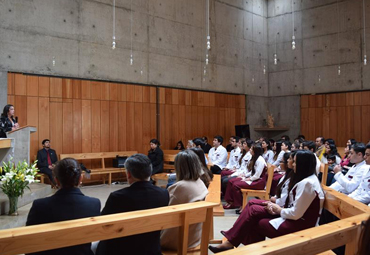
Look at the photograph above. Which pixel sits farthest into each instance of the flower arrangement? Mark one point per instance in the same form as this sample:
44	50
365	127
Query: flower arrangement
15	179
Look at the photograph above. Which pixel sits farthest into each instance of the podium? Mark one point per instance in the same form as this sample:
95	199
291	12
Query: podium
22	142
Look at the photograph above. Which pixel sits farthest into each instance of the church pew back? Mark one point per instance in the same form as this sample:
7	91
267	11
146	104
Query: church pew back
36	238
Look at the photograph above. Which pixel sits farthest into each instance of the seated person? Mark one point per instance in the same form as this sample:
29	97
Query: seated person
46	159
235	154
155	155
188	188
254	179
217	156
301	209
140	195
179	146
68	203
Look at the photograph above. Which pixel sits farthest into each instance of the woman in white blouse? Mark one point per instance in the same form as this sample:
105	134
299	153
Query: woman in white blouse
268	154
300	210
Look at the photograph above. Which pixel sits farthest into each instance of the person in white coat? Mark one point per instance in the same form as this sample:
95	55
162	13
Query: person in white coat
235	154
348	183
362	193
217	156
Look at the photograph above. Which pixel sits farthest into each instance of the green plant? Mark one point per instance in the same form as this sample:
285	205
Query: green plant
15	178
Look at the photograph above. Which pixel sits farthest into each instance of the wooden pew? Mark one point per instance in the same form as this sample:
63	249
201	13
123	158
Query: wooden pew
67	233
102	156
341	151
345	231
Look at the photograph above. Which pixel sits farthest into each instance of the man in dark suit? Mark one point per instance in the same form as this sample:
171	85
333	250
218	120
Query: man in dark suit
141	195
46	159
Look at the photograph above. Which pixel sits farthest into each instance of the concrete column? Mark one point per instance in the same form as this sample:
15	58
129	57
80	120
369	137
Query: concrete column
3	89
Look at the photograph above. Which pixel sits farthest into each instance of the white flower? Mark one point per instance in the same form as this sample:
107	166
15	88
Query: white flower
30	178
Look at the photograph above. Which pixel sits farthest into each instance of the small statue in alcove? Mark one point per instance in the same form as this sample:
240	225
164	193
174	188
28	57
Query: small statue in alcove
270	120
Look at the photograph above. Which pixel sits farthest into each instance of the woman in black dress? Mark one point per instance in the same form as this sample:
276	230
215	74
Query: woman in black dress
155	155
7	120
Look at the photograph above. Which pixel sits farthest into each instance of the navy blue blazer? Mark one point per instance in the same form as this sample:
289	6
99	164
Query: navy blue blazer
65	204
139	196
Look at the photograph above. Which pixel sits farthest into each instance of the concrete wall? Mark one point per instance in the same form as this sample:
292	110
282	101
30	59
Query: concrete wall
168	42
3	88
317	53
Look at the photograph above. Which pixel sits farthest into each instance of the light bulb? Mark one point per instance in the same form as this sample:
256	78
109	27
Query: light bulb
253	79
206	59
338	70
319	78
365	60
205	70
53	61
293	42
131	60
275	59
264	69
208	42
114	43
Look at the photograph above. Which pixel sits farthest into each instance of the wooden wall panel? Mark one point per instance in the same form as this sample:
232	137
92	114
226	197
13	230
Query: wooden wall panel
339	116
91	116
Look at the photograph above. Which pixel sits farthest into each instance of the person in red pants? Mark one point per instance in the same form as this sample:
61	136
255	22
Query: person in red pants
301	210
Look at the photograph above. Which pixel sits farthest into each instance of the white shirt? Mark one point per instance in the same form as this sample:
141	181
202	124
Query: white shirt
284	193
243	169
349	182
300	200
268	156
235	155
279	158
258	168
318	164
218	156
362	193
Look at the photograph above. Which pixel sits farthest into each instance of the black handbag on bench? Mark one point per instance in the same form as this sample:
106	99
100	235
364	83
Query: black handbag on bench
119	161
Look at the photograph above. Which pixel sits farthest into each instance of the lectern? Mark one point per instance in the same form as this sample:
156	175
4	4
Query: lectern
22	141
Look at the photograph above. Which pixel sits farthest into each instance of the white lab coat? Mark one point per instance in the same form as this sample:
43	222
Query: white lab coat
218	156
362	193
235	155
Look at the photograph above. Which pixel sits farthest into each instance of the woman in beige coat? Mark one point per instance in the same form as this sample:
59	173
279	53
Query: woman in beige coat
188	188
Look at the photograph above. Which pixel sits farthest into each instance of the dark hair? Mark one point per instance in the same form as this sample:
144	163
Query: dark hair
333	150
249	142
6	110
187	165
205	138
330	141
139	166
360	147
287	143
364	246
257	152
285	137
44	141
219	139
268	144
288	173
353	141
207	175
296	145
310	145
332	157
198	142
301	137
68	172
181	145
155	141
367	146
243	152
278	148
272	142
237	138
305	167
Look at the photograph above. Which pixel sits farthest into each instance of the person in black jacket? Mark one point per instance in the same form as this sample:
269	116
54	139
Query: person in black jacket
46	159
7	120
141	195
155	155
68	203
206	146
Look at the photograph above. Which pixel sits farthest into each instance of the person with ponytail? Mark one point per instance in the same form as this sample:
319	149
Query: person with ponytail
68	203
300	210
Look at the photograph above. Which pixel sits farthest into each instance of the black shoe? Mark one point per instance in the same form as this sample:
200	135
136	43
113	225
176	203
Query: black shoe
214	249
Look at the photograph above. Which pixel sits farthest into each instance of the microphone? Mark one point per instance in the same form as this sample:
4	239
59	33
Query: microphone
16	119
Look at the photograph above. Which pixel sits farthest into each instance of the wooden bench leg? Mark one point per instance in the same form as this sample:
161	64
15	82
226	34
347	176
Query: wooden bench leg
110	178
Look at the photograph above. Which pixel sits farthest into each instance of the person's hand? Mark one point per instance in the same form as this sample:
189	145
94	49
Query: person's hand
337	169
51	167
273	200
273	209
16	125
247	179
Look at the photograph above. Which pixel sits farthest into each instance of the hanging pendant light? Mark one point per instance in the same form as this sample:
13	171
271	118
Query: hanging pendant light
114	25
293	37
338	37
364	36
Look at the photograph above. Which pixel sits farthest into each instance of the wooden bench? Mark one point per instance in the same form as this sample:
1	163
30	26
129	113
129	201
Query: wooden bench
102	156
321	239
37	238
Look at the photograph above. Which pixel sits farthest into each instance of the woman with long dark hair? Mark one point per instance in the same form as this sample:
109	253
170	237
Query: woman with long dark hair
68	203
268	154
7	120
254	179
155	154
300	210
